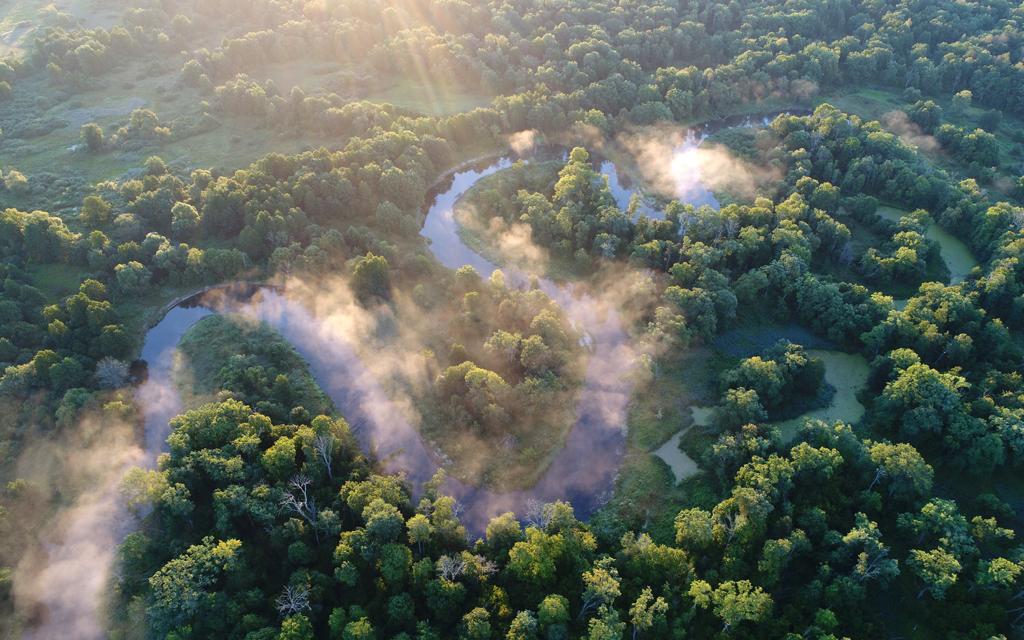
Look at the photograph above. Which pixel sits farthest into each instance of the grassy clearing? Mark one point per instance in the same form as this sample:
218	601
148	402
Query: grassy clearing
429	98
869	104
237	142
55	280
313	76
19	19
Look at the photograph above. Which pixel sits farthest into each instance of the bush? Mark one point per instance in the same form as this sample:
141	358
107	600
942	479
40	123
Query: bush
92	137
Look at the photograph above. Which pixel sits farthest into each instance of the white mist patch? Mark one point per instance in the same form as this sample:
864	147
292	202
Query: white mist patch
803	89
63	584
522	142
678	164
909	132
512	243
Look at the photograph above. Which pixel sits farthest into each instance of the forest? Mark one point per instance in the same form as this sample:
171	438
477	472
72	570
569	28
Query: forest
511	319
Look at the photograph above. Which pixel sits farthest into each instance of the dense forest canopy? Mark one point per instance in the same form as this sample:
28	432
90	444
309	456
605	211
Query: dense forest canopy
708	316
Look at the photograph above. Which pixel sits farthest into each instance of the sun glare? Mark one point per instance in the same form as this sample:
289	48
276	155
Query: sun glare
686	169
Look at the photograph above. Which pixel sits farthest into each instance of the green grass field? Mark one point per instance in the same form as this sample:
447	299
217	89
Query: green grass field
427	99
237	142
20	18
55	280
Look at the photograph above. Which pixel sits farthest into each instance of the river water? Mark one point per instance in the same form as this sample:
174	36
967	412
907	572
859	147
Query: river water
582	472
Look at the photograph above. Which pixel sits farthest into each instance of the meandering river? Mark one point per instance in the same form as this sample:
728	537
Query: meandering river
582	472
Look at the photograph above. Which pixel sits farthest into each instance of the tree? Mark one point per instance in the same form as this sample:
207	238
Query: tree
444	598
182	587
734	602
922	400
402	609
502	533
279	461
114	341
475	625
66	374
155	166
384	521
420	531
902	469
184	220
739	407
111	373
523	627
16	182
926	114
535	559
863	547
553	614
224	208
961	102
937	569
606	625
601	586
371	277
132	277
293	600
296	627
298	498
647	612
92	137
940	522
360	629
783	372
95	212
694	531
